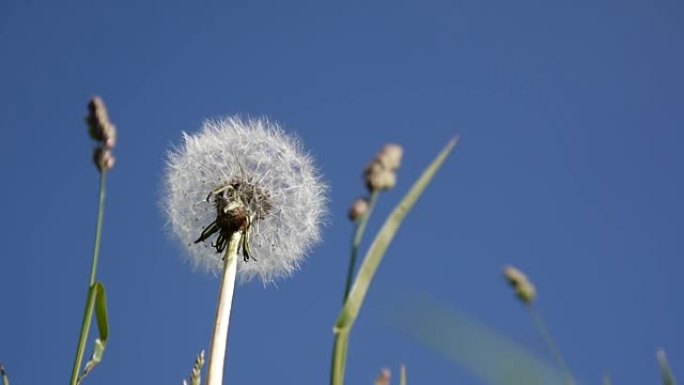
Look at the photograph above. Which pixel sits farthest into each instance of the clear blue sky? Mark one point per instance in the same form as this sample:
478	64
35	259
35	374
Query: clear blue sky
570	166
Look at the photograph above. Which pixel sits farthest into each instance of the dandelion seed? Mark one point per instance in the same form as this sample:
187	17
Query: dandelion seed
235	164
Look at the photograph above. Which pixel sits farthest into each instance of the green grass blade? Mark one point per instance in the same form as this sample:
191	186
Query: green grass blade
607	380
665	372
402	375
102	327
372	260
377	250
468	343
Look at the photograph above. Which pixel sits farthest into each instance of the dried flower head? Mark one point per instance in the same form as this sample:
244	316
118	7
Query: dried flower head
381	173
103	159
522	286
99	126
358	209
245	175
381	181
390	156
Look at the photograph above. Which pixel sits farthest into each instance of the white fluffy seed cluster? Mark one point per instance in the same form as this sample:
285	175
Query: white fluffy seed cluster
259	152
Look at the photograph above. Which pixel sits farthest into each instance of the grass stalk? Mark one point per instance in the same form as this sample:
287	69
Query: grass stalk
219	341
356	242
540	325
90	300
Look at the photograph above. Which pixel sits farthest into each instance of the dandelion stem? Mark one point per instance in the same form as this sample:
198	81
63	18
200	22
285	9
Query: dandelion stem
546	336
90	301
356	241
217	354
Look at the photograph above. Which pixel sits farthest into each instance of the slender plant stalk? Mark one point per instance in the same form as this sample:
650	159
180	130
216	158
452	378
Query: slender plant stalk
90	301
546	336
217	354
402	375
356	242
340	348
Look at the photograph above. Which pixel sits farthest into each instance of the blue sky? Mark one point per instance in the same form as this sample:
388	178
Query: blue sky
569	166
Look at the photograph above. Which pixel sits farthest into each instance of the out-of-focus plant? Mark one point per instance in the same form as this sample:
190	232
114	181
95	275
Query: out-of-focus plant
526	293
665	372
5	379
469	343
103	132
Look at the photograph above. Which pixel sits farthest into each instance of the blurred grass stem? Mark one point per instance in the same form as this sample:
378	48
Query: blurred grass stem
217	354
5	380
90	301
546	336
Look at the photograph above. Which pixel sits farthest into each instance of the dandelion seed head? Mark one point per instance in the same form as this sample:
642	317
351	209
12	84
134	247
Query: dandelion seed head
271	174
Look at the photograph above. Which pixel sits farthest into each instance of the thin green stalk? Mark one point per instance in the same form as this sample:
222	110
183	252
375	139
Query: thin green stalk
356	241
546	336
90	301
340	346
339	357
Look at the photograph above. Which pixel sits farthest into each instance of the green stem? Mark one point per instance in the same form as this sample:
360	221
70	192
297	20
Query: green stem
90	301
356	242
337	365
342	341
546	336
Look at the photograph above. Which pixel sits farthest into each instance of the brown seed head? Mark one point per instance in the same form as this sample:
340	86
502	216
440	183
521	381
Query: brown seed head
99	126
358	209
373	167
521	285
390	156
381	181
103	159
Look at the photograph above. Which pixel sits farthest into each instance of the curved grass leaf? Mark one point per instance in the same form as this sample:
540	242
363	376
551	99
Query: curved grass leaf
372	260
665	372
377	249
470	344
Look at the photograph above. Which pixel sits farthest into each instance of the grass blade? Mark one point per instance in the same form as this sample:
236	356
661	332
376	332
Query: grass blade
665	372
470	344
372	260
102	327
